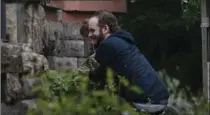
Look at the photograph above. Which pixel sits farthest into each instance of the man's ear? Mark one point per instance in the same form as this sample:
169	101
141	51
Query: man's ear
106	29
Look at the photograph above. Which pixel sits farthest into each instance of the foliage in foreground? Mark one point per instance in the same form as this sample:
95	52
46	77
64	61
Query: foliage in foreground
67	93
183	99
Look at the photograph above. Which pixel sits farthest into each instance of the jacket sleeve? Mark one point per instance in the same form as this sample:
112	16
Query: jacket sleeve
105	54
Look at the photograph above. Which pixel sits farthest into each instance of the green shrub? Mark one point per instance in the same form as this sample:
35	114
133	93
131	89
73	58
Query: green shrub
183	99
67	93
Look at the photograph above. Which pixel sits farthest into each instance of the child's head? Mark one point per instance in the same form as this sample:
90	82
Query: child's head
84	28
89	48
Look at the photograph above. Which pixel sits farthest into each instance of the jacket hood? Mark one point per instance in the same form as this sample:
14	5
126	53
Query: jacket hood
123	35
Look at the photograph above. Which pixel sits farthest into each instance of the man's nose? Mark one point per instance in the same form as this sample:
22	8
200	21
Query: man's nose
89	34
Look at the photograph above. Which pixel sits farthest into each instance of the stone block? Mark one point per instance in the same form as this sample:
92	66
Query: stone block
21	30
62	63
31	26
69	48
71	31
34	63
54	30
17	109
11	22
20	108
13	89
38	12
11	61
10	49
80	61
3	87
59	14
27	87
11	64
29	103
34	32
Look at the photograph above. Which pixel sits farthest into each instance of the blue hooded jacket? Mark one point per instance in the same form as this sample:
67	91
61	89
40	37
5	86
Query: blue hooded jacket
120	53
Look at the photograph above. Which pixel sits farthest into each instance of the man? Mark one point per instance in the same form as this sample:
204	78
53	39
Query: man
115	48
91	64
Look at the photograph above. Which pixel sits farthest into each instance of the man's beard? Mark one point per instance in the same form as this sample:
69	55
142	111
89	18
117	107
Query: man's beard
100	38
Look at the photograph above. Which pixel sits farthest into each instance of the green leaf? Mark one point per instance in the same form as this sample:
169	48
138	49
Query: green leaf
136	89
123	81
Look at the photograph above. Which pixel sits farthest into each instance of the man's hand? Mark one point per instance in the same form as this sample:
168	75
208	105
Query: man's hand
89	65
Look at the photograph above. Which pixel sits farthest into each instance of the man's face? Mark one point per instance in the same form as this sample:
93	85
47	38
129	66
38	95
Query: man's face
95	32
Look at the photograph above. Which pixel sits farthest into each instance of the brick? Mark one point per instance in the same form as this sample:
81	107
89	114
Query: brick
80	61
71	31
11	61
11	23
54	30
11	64
28	84
62	63
69	48
13	87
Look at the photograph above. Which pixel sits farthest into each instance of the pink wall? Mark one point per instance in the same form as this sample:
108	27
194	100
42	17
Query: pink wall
57	4
77	10
110	5
75	16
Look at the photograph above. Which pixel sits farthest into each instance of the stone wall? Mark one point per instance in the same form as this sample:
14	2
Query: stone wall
56	40
18	63
65	48
34	45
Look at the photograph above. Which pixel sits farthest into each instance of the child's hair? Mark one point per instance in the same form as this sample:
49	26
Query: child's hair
84	28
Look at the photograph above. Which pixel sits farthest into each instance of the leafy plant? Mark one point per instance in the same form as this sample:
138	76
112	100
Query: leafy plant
191	11
67	93
182	98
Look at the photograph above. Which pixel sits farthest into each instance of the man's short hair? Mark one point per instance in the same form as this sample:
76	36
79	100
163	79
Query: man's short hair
107	18
84	28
